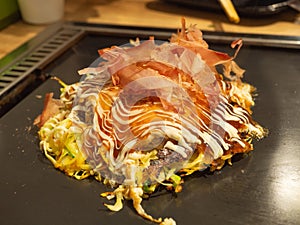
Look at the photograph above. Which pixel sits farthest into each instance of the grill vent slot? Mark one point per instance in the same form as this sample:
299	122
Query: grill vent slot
40	56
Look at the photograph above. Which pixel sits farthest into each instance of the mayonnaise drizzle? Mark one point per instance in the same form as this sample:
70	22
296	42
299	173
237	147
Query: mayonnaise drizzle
114	128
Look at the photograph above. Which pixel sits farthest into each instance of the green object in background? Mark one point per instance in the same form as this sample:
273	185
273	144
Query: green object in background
9	12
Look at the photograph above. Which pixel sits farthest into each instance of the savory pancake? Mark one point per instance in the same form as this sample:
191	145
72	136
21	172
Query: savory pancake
150	114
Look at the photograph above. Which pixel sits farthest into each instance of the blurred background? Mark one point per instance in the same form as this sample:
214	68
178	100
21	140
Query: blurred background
21	20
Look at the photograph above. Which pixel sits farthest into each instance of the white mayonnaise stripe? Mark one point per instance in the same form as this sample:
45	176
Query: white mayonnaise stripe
119	126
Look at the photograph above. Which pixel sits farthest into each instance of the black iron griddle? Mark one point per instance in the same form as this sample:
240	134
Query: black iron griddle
262	188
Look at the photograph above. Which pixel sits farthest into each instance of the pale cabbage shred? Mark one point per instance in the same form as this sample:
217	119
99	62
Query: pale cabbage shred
60	145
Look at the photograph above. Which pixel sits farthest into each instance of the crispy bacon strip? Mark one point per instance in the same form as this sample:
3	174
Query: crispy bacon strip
51	108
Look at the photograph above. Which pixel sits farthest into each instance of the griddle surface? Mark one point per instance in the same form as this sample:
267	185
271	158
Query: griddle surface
262	188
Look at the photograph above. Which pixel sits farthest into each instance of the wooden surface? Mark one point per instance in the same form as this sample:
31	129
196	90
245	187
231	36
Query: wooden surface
151	13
